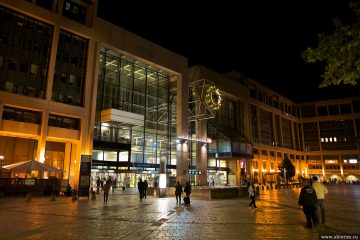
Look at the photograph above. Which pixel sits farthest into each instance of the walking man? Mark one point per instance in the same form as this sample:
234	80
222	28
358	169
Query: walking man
141	189
320	190
178	192
252	195
106	189
308	201
145	187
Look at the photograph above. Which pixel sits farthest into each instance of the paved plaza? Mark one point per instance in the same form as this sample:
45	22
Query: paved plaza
125	217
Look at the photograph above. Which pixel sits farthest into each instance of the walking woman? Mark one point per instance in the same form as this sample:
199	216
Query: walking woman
187	191
252	195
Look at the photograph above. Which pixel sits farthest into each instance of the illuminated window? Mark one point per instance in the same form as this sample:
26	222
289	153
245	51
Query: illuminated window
335	139
326	140
322	139
331	139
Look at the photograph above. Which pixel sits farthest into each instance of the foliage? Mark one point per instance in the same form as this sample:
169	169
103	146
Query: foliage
340	52
290	168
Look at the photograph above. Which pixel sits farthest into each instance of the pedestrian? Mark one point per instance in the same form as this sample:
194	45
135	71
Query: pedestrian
106	189
252	195
320	190
178	192
141	189
113	186
68	190
187	191
308	200
98	185
145	188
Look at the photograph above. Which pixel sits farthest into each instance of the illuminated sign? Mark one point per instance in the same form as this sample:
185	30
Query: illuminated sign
194	172
353	160
195	139
213	98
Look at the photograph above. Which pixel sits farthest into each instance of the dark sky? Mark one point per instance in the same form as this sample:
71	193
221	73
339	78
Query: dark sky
262	40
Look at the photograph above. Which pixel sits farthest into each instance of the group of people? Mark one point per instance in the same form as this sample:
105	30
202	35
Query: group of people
142	187
179	191
311	198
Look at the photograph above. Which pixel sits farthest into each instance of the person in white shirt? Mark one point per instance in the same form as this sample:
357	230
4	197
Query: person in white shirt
252	194
320	190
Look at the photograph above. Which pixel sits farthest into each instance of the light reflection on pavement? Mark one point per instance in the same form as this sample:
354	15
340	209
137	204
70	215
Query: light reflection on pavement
125	217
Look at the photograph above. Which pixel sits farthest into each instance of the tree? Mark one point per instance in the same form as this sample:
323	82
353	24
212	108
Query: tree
340	52
287	165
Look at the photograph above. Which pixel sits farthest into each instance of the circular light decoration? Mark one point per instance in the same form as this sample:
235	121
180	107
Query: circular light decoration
213	98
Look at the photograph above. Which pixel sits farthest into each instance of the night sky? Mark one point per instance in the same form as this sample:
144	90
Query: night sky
261	40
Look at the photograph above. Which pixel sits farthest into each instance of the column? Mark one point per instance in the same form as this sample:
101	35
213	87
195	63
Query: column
182	149
201	152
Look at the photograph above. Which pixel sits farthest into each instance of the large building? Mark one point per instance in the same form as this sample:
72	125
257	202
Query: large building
256	128
73	84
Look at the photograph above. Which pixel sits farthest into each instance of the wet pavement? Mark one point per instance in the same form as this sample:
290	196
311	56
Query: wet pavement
125	217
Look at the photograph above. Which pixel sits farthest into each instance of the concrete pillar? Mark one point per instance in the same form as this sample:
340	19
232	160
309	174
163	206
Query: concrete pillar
201	150
40	151
238	171
182	149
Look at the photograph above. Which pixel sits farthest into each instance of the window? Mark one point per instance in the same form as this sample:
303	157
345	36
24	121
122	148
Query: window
308	111
25	52
345	108
21	115
322	111
69	75
333	110
45	4
64	122
74	11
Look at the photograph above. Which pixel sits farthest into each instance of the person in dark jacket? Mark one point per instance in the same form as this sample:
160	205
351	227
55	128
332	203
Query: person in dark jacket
187	191
178	192
141	189
145	188
308	200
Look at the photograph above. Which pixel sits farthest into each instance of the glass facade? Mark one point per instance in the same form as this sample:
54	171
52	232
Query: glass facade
70	69
24	54
267	134
132	86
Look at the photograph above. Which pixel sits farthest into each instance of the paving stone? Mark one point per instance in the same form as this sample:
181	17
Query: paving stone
125	217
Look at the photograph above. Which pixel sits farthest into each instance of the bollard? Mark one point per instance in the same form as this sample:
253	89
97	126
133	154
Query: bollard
28	197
